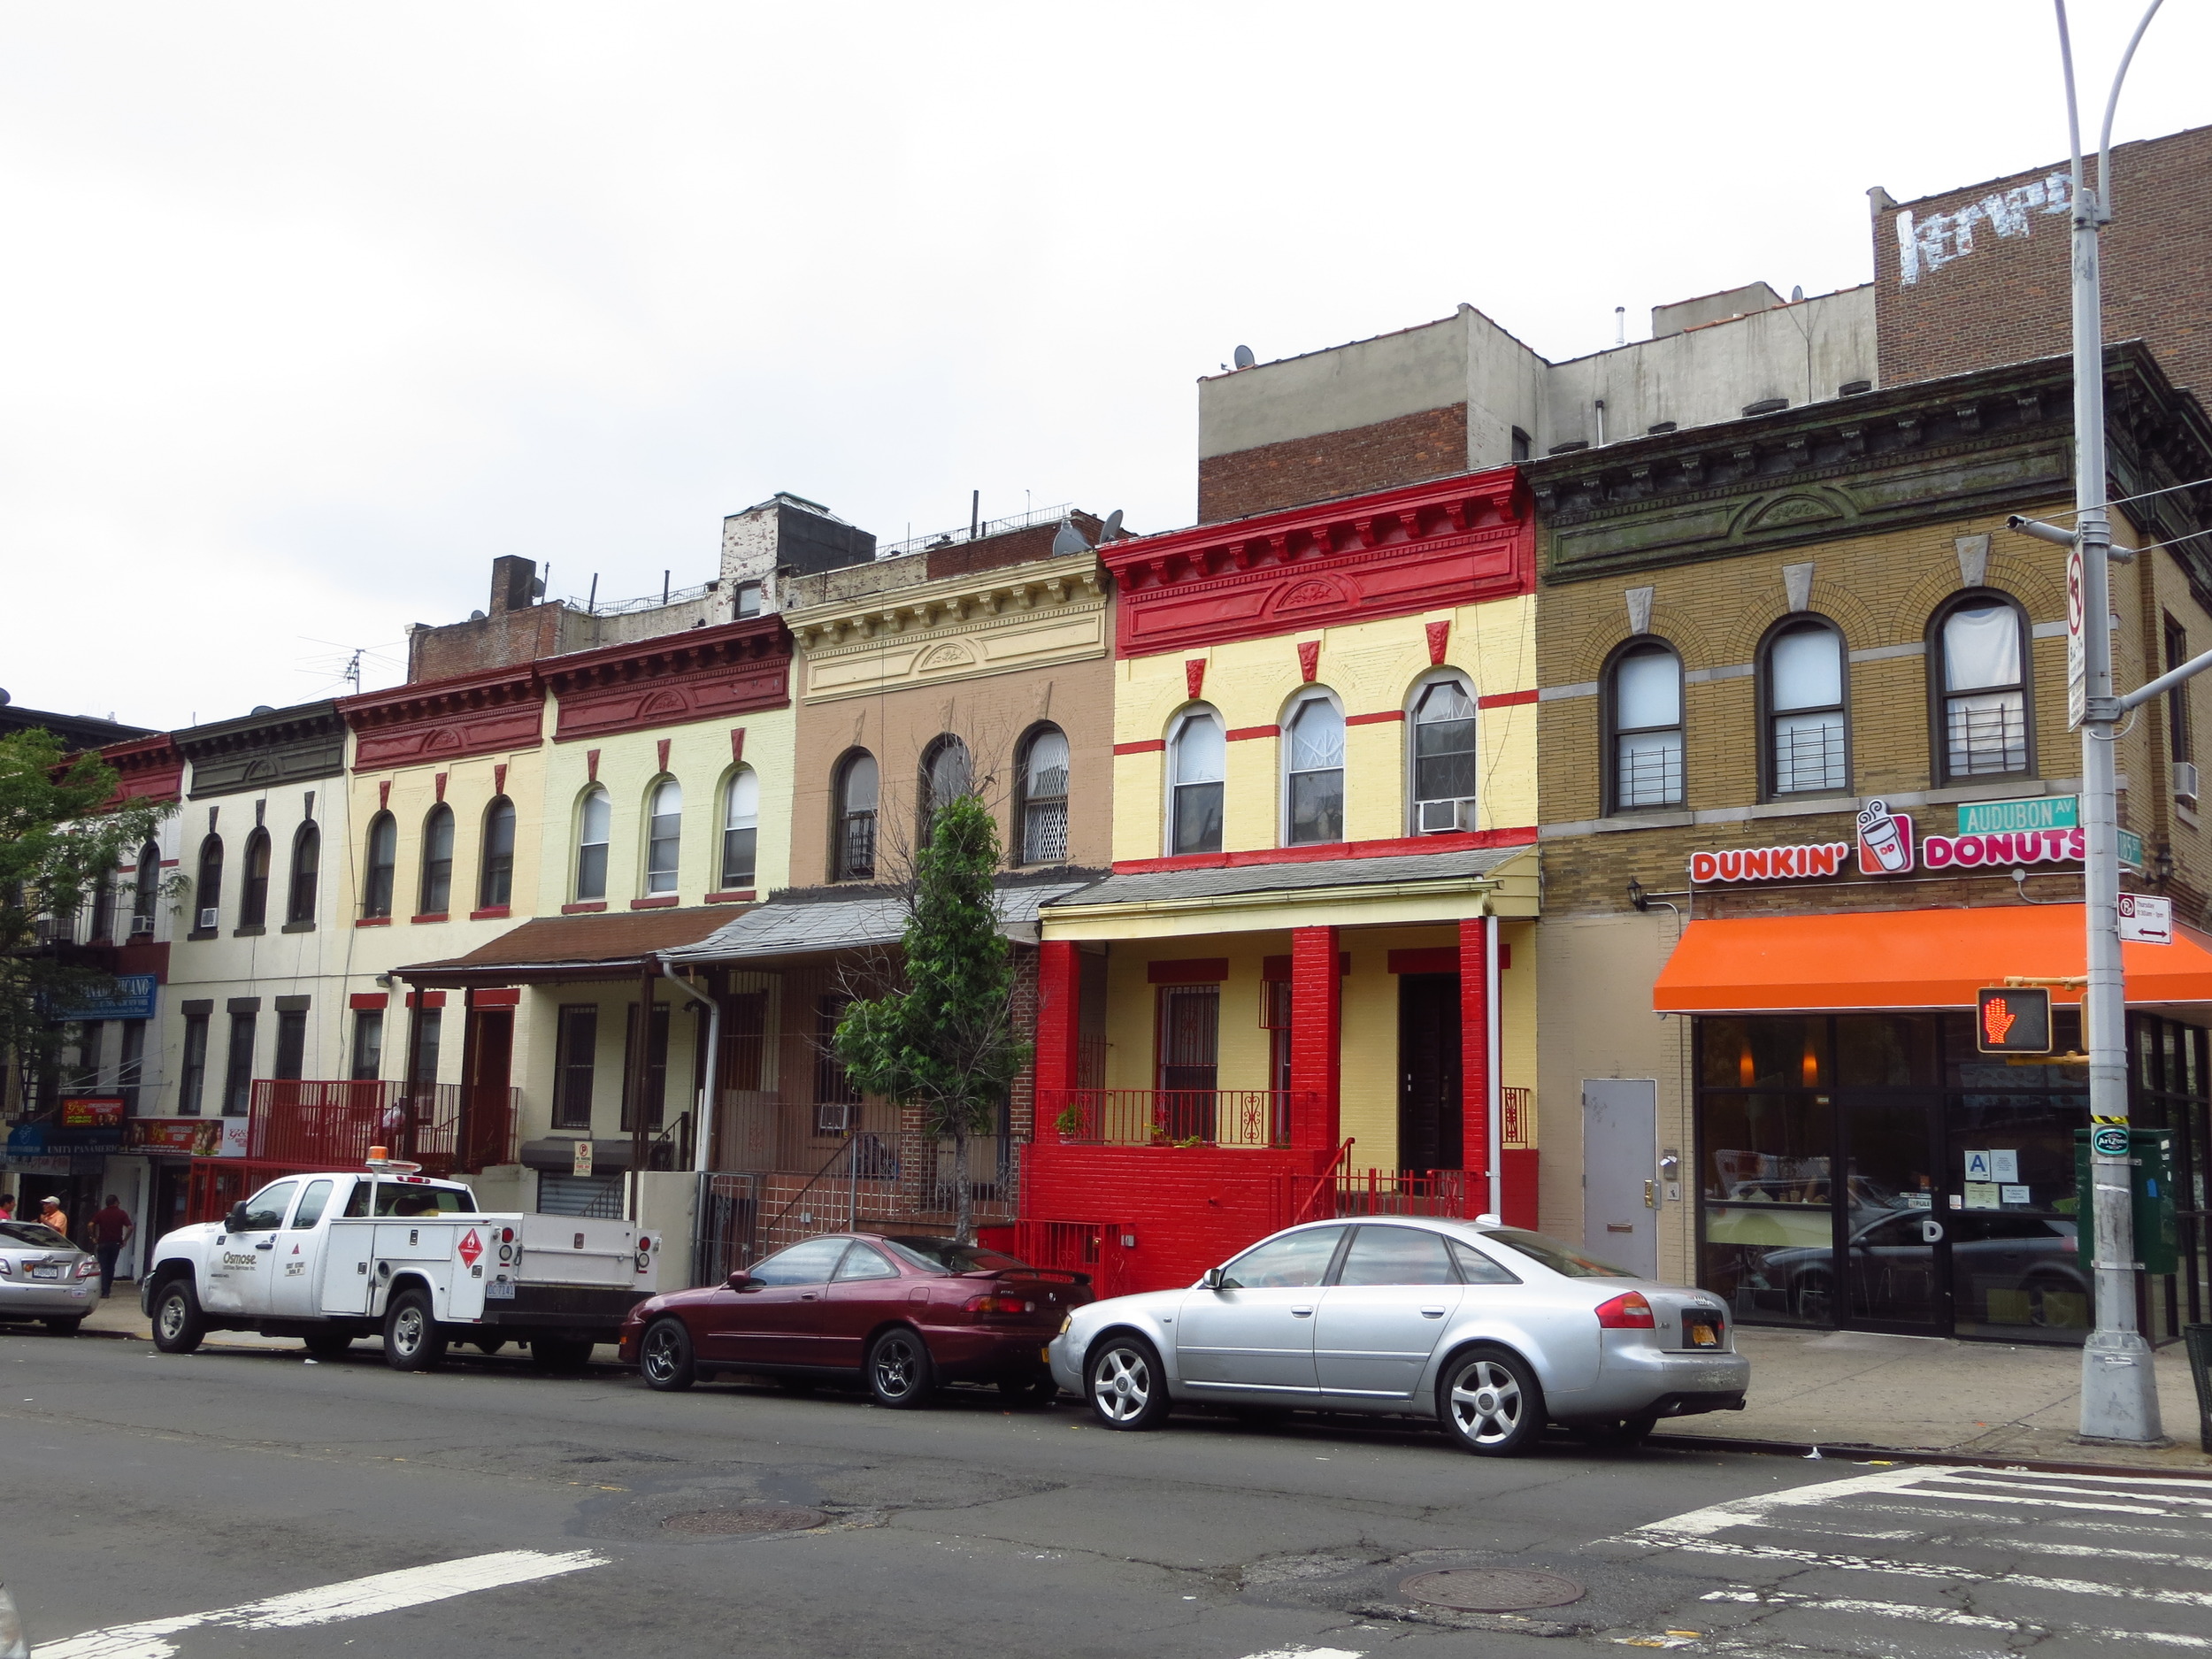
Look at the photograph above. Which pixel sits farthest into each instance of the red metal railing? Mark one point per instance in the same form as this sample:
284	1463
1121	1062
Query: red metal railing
1346	1192
446	1127
1157	1117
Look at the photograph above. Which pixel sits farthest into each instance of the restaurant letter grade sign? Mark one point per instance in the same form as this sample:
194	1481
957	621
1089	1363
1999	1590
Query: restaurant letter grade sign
1886	847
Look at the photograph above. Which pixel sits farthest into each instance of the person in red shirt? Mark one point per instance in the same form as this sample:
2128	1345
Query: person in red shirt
111	1230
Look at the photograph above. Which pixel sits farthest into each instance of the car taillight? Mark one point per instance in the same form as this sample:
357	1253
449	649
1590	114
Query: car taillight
995	1304
1628	1311
88	1268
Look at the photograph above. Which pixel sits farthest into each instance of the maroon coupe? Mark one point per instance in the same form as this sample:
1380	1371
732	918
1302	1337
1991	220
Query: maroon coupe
900	1313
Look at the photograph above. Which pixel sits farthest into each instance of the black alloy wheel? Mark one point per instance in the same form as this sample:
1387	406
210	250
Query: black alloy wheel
179	1324
900	1372
1490	1403
1123	1382
665	1357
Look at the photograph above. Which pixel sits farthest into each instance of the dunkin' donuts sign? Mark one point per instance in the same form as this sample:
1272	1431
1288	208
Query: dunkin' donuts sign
1885	847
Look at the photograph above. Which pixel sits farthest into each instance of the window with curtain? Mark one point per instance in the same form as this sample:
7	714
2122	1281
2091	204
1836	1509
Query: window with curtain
1985	693
378	869
437	861
207	892
740	830
1646	712
1198	760
253	893
594	824
495	883
853	856
945	776
291	1043
1443	756
307	859
663	835
145	889
1044	804
1805	727
1313	773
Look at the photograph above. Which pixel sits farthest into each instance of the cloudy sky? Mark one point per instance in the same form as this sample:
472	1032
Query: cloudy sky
310	313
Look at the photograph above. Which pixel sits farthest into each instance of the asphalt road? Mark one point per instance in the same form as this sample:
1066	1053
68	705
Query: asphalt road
251	1504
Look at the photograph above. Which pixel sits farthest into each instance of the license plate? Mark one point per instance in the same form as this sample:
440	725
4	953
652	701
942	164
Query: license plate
1701	1334
46	1273
499	1290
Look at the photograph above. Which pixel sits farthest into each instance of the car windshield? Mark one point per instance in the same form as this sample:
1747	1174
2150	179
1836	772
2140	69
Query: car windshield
34	1234
950	1256
1561	1258
403	1199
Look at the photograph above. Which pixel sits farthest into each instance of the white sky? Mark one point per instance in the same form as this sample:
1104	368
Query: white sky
309	312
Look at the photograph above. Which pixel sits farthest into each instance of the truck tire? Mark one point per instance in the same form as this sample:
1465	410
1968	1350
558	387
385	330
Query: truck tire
665	1359
329	1344
559	1353
412	1341
179	1324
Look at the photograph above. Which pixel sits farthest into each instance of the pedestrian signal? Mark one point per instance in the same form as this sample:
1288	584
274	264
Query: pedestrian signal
2013	1021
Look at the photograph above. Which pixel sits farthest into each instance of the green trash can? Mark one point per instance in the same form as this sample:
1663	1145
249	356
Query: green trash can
2199	1339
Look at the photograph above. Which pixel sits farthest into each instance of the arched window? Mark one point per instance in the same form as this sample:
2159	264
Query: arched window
379	868
740	830
663	835
1197	764
253	894
1802	684
145	889
1443	744
1043	812
437	861
207	893
1313	771
1981	693
495	882
853	824
1644	718
307	858
594	823
946	777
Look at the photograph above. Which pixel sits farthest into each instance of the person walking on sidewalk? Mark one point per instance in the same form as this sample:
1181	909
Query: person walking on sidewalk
7	1206
111	1230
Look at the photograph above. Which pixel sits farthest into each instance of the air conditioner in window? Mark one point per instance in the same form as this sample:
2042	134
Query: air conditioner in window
141	925
210	917
832	1119
2185	779
1440	816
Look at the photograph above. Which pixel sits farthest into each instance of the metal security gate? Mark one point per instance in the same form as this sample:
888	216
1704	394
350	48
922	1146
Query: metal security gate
728	1235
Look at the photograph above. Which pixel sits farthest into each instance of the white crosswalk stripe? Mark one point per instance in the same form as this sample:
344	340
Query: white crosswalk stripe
1976	1549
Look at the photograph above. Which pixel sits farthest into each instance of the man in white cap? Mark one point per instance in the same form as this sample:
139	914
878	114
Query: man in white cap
49	1212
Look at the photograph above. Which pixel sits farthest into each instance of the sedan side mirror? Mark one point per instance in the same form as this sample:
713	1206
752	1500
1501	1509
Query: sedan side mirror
235	1222
740	1282
1213	1279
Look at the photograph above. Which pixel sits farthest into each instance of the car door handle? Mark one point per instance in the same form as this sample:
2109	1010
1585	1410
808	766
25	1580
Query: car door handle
266	1244
807	1295
1431	1313
1302	1313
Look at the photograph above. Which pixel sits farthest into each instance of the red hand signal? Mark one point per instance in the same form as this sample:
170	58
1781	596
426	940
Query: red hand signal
1997	1019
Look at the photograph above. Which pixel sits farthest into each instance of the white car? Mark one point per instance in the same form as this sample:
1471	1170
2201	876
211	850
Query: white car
1493	1331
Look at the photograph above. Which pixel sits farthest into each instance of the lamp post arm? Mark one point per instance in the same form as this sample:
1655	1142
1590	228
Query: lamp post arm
2166	682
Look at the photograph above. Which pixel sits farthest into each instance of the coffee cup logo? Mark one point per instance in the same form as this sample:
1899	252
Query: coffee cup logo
1885	841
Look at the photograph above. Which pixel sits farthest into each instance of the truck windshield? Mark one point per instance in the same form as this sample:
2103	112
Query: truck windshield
404	1198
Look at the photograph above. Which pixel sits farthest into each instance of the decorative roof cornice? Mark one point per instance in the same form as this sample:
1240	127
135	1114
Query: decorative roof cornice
1393	552
695	651
700	674
950	603
305	722
445	719
147	769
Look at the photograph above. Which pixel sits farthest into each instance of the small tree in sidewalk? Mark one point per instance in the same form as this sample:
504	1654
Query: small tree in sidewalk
942	1037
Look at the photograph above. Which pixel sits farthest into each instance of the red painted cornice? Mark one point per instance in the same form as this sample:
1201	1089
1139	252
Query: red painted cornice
1331	852
1393	552
147	768
445	719
703	675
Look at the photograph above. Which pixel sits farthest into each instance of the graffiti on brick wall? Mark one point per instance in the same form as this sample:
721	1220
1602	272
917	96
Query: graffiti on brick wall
1928	244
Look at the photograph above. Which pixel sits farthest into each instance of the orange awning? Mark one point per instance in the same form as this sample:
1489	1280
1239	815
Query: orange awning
1872	959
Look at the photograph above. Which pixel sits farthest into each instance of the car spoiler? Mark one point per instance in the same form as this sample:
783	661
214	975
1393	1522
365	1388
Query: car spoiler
1064	1276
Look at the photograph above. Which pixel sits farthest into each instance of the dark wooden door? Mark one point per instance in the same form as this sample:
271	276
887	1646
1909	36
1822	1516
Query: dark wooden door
1429	1103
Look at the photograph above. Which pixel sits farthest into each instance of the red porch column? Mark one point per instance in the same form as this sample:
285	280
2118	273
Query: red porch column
1477	936
1316	1000
1059	1023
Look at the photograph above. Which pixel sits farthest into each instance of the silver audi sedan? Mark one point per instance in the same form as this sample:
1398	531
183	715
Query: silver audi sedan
44	1276
1493	1331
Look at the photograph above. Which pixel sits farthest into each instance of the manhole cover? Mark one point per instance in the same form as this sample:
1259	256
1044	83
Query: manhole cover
1491	1589
760	1517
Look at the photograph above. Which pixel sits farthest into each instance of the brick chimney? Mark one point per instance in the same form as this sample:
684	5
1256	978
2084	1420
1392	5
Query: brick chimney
514	580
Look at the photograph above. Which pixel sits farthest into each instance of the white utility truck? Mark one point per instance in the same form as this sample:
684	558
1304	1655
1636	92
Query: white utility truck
330	1257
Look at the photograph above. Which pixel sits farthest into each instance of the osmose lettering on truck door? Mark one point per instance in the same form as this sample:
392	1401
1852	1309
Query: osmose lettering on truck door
241	1265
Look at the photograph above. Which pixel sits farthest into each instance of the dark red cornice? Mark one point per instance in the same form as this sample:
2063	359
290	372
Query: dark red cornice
1330	852
147	769
705	674
445	719
1393	552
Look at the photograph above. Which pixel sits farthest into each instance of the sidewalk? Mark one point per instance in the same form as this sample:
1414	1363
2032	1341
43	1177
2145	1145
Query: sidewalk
1848	1391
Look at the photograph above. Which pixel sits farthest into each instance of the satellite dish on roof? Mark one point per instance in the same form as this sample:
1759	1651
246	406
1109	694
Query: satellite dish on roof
1797	294
1244	359
264	708
5	699
1112	527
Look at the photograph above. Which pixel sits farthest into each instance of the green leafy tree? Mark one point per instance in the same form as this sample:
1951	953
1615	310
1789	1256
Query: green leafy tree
58	842
942	1037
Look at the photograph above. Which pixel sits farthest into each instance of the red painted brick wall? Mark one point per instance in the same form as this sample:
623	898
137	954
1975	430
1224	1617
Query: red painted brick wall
1405	450
2008	298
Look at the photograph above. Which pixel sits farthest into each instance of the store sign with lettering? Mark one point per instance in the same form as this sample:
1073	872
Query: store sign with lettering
1886	846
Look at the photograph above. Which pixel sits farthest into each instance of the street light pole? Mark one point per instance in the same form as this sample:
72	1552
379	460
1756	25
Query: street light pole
2119	1396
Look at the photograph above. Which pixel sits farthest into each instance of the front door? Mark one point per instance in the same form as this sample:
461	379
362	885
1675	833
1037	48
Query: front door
1430	1108
1254	1334
241	1268
1190	1054
1620	1216
781	1318
1895	1216
491	1054
292	1291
